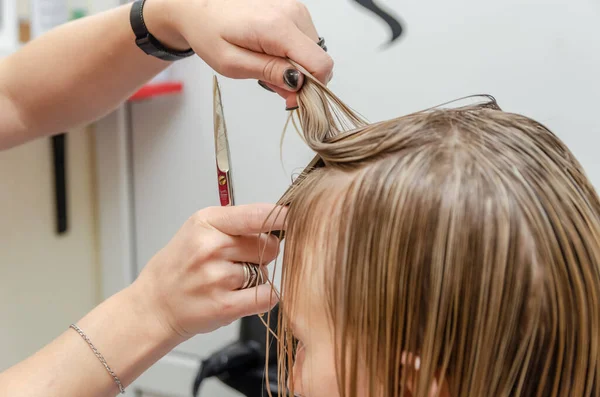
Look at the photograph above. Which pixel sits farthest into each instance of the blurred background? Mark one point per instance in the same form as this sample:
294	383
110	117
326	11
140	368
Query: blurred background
133	177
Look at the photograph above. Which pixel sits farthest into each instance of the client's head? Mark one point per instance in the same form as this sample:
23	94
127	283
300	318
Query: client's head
451	251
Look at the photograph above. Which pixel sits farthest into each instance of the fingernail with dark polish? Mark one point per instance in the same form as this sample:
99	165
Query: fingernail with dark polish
263	85
291	78
292	108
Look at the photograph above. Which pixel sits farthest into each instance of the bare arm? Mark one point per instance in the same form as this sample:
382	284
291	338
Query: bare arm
73	75
123	331
81	71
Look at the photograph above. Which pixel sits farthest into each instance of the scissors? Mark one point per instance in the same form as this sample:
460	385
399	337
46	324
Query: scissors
223	156
222	153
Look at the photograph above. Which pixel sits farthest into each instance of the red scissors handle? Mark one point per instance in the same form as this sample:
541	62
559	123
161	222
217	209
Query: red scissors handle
225	195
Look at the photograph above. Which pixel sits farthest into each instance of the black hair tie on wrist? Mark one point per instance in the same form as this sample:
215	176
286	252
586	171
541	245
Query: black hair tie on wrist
146	41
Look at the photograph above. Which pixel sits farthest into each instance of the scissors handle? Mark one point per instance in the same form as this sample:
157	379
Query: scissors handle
225	188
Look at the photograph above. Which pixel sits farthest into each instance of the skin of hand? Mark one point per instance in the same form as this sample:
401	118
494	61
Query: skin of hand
245	39
193	283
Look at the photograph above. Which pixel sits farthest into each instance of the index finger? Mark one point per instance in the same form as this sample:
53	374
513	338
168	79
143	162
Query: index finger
247	219
305	51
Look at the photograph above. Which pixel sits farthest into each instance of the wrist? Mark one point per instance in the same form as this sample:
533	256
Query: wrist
148	311
128	334
160	21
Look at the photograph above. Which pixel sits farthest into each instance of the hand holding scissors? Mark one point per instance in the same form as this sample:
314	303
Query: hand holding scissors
212	273
254	274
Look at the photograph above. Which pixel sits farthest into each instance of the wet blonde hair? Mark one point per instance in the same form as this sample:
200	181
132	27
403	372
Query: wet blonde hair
469	237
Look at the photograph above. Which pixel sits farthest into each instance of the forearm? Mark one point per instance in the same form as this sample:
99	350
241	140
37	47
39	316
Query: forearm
74	74
125	332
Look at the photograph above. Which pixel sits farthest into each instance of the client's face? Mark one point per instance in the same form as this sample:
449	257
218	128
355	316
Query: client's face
314	371
314	368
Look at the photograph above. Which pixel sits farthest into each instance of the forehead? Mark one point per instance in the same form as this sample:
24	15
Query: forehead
304	299
310	249
304	270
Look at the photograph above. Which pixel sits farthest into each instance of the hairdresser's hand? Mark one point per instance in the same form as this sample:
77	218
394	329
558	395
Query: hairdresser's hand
244	38
192	285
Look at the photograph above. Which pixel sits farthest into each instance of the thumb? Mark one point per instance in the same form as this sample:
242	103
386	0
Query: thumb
277	72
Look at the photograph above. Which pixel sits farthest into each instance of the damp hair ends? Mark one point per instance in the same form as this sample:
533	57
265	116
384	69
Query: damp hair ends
466	237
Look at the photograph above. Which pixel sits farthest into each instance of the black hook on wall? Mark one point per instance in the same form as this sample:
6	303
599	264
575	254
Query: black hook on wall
393	22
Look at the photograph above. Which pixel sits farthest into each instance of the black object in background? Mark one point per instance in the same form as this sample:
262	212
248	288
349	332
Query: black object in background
393	22
241	365
59	158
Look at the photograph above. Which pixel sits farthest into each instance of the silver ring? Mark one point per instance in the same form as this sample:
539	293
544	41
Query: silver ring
253	275
321	43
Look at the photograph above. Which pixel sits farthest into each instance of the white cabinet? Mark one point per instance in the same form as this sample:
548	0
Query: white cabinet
536	57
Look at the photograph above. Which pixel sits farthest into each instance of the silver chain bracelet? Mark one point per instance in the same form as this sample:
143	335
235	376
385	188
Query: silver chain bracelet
97	353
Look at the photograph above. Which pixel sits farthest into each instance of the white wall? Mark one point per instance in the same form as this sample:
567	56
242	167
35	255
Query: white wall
46	281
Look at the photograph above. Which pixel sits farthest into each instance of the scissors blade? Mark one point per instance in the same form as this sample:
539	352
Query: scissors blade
221	148
221	141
